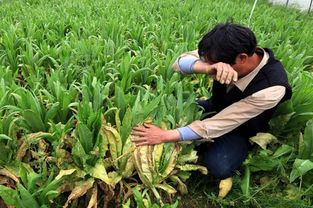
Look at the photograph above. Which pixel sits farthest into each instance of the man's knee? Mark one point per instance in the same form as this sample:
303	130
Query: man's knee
225	155
221	171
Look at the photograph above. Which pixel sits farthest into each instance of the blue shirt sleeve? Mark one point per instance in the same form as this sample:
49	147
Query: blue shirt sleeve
187	133
186	63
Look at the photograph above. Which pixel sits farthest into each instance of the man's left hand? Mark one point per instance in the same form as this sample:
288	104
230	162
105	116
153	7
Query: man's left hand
148	134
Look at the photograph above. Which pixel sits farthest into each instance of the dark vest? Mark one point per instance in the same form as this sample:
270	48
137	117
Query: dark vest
271	74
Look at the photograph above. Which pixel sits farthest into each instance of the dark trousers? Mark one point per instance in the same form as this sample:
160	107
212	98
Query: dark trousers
226	154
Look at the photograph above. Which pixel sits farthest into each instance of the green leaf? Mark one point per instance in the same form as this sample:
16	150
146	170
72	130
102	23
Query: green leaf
51	195
50	189
148	109
85	137
184	175
300	167
8	195
79	154
126	125
127	204
52	112
245	182
26	198
175	205
5	137
138	198
34	121
32	179
8	124
120	100
307	152
284	149
262	161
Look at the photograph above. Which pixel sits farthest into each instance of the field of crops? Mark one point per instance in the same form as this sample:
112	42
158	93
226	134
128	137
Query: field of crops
76	76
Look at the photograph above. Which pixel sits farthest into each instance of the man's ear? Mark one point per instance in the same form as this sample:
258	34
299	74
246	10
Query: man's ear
241	58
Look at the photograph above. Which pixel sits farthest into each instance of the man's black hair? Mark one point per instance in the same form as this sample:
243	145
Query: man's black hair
225	41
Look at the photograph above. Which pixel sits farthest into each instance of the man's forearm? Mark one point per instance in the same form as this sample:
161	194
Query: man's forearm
201	67
172	136
191	64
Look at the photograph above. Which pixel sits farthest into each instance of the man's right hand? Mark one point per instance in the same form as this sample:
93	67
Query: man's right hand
220	71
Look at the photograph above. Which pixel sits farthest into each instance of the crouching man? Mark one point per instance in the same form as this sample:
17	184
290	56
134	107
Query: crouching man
249	84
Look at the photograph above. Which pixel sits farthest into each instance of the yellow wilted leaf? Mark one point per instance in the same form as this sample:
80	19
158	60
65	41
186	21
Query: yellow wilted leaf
292	192
8	174
148	121
128	148
264	180
64	173
144	155
99	171
114	177
150	160
172	161
118	120
191	157
263	139
103	146
156	155
22	150
129	168
114	139
169	189
163	126
181	186
225	187
191	167
141	164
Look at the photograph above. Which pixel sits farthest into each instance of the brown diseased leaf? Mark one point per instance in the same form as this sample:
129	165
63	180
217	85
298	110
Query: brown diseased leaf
93	199
79	190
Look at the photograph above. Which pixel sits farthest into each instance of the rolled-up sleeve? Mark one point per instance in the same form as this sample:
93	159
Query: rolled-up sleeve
187	133
184	62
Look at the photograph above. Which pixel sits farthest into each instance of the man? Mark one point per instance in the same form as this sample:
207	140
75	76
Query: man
249	83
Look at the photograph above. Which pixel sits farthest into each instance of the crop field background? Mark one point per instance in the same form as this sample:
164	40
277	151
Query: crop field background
76	76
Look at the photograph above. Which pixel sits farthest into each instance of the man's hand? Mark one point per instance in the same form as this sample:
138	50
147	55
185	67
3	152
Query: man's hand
220	71
223	73
151	134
